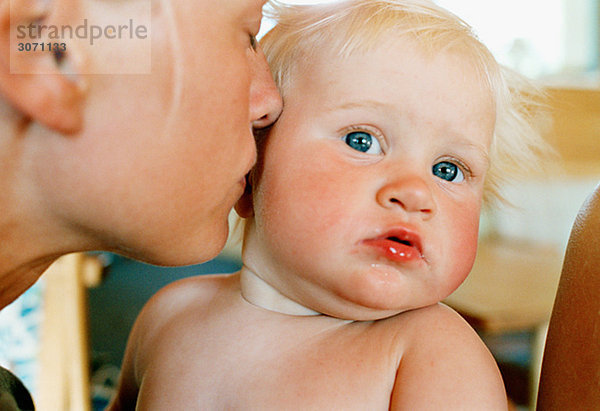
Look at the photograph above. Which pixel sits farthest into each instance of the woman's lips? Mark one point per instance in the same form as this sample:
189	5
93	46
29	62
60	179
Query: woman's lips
399	245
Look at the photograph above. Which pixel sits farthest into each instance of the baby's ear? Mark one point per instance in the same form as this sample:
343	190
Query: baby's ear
244	206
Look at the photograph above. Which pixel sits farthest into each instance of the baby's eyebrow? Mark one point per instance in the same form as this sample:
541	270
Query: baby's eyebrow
370	104
464	143
480	151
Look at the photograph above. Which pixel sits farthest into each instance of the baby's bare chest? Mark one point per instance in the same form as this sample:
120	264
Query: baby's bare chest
275	368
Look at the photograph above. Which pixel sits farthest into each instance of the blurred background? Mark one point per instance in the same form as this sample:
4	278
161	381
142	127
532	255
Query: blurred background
507	298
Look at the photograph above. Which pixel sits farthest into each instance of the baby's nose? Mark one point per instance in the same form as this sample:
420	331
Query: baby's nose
409	193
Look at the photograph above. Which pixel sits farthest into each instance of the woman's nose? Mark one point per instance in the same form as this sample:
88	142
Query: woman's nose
409	193
265	101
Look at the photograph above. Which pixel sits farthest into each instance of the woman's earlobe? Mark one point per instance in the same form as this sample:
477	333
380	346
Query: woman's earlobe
244	206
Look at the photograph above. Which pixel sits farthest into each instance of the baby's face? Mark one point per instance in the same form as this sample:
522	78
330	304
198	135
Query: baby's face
368	203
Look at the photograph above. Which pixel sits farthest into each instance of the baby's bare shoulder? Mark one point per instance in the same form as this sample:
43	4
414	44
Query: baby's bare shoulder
443	353
437	328
183	294
173	302
434	314
161	322
200	287
427	322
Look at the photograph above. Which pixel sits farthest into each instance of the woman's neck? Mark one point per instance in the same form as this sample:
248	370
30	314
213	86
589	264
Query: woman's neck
31	238
29	244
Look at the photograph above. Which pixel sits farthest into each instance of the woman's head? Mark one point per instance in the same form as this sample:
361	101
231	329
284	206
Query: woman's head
156	159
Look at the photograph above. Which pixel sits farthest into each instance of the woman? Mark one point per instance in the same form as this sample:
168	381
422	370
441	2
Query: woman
145	165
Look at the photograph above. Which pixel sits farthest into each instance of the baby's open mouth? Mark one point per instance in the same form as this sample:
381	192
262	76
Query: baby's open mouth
398	240
404	237
398	244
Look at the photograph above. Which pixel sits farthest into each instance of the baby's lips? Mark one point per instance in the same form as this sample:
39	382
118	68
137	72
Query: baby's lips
398	244
404	235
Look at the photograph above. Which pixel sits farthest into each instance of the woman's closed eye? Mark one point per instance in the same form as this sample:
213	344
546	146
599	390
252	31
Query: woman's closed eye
253	42
448	171
363	141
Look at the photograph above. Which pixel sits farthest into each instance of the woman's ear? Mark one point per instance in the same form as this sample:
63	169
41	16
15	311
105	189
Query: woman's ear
43	85
244	206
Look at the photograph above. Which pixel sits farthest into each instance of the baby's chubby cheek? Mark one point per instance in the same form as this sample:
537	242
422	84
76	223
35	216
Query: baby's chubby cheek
460	255
309	211
312	192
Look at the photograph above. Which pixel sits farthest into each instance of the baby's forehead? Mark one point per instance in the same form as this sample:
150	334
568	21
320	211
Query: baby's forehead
400	82
327	61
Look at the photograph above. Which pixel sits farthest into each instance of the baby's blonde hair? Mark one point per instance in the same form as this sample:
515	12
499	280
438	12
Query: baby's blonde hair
304	32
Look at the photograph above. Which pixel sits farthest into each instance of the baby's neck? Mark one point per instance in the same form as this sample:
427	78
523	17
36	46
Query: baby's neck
259	293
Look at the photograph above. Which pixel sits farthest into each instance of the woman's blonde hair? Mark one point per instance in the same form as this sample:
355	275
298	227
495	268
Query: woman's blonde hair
306	32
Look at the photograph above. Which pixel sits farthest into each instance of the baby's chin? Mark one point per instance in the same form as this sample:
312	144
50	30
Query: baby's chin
360	311
367	298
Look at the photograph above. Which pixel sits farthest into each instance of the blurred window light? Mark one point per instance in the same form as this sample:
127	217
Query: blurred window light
544	39
540	38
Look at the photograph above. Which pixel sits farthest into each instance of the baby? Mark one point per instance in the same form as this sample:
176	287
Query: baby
361	216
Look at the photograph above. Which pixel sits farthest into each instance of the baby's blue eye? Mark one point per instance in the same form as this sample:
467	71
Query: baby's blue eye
448	171
363	142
